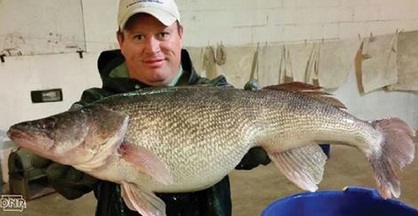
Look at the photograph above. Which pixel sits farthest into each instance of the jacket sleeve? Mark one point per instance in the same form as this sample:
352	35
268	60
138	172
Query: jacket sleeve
90	95
219	81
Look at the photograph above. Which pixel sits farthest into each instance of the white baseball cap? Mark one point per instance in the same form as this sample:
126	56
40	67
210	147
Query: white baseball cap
165	11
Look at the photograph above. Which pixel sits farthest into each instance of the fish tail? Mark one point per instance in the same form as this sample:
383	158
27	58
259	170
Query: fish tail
396	150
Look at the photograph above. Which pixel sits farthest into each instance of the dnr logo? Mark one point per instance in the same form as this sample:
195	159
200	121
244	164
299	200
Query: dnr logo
14	203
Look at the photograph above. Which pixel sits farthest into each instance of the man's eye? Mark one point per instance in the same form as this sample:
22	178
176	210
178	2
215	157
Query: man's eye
138	37
163	35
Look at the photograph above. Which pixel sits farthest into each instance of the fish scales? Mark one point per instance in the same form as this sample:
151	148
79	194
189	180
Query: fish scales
187	138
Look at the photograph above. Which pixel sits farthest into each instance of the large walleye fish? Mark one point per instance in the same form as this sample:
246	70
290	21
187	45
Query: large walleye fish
184	139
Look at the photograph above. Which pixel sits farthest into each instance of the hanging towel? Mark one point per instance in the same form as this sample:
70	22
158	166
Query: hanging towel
209	64
253	83
302	59
285	65
312	67
407	62
336	60
220	57
197	56
237	67
379	62
268	64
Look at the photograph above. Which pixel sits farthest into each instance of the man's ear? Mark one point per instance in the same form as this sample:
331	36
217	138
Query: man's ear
120	37
180	30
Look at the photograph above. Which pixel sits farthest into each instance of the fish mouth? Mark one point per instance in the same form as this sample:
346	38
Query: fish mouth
35	141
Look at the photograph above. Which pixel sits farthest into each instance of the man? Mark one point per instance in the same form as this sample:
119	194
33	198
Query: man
150	39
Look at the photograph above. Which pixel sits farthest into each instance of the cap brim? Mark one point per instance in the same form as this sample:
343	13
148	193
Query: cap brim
164	17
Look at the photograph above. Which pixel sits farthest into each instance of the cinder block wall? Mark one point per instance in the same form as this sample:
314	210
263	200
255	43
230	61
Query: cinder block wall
251	21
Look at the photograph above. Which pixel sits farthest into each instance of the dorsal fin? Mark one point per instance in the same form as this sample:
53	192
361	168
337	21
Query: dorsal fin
309	90
294	87
325	98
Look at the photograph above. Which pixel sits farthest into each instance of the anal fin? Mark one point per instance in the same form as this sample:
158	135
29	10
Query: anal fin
144	202
303	166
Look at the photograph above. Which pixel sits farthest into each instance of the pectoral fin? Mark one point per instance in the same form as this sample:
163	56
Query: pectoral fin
144	202
303	166
145	161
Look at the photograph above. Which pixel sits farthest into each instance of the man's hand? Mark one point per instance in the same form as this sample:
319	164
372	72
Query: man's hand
254	157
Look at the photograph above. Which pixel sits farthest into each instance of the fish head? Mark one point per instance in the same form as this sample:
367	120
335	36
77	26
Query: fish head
84	136
52	137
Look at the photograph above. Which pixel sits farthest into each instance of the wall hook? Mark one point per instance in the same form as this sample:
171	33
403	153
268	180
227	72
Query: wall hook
80	53
2	58
372	38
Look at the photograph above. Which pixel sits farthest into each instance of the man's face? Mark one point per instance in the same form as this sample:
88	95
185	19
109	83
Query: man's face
152	50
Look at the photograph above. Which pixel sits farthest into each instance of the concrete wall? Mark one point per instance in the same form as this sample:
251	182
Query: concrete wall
232	22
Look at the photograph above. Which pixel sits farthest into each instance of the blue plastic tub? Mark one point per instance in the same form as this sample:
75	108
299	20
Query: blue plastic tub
353	201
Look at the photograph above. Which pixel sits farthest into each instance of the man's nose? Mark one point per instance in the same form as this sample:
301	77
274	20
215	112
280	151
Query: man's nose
152	45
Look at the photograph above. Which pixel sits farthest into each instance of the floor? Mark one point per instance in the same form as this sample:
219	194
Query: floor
253	190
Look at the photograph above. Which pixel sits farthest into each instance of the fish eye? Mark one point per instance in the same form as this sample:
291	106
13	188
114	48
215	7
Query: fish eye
48	124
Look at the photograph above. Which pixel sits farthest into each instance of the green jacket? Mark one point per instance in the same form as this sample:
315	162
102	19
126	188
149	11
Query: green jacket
213	201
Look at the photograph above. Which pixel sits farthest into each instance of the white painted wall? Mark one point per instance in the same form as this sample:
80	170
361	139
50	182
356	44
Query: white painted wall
233	22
